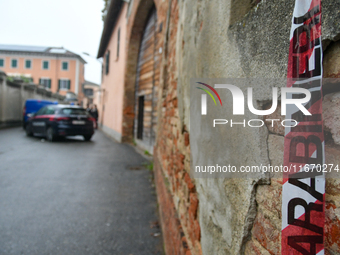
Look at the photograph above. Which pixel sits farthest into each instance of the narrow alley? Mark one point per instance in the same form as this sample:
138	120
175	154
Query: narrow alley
75	197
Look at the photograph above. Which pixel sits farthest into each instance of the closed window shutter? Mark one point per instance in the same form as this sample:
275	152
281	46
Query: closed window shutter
69	84
65	66
107	62
118	41
58	84
49	83
39	81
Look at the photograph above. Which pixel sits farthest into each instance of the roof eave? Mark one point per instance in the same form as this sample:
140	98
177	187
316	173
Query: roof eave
73	55
109	24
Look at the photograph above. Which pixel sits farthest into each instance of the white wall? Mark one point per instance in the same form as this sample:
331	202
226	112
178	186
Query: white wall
14	95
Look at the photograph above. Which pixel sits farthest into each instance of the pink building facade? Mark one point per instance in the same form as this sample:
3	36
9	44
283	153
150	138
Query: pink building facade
114	62
57	69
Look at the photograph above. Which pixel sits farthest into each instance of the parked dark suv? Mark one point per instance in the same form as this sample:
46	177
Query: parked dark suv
55	121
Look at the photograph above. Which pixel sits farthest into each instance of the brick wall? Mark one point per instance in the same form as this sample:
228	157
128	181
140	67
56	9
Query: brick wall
183	223
172	156
177	198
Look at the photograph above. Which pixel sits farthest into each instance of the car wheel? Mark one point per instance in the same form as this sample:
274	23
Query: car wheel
49	135
87	137
28	131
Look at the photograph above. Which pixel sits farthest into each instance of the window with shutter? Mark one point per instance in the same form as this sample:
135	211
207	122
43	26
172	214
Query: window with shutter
14	63
2	62
45	64
64	66
64	84
28	64
46	82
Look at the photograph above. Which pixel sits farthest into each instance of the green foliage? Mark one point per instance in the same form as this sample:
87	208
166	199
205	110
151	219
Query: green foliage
147	153
149	166
25	79
105	9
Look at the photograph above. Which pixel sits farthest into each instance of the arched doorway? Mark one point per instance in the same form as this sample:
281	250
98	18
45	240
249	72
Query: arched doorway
147	85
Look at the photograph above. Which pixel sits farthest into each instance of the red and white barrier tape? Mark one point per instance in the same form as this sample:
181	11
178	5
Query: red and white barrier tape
303	193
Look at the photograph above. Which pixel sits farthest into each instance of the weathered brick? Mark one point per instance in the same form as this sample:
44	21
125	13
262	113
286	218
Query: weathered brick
254	248
175	102
193	204
270	197
186	139
266	234
197	230
187	179
172	230
332	228
331	115
173	148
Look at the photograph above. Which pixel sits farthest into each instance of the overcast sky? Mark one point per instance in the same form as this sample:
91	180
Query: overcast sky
74	24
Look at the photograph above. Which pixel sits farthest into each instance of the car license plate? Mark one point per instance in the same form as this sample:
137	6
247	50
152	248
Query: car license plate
78	122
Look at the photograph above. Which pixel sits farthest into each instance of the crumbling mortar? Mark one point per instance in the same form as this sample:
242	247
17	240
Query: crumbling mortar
329	89
250	218
327	42
272	133
253	207
267	143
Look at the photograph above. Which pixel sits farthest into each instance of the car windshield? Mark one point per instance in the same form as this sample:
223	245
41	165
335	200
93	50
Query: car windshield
73	111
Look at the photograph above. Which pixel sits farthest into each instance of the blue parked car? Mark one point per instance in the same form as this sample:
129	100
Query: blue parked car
32	106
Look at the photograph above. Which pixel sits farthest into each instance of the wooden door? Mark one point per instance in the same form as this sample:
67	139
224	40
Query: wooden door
147	83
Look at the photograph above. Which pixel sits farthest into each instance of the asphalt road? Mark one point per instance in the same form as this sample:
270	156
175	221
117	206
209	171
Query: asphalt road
75	197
